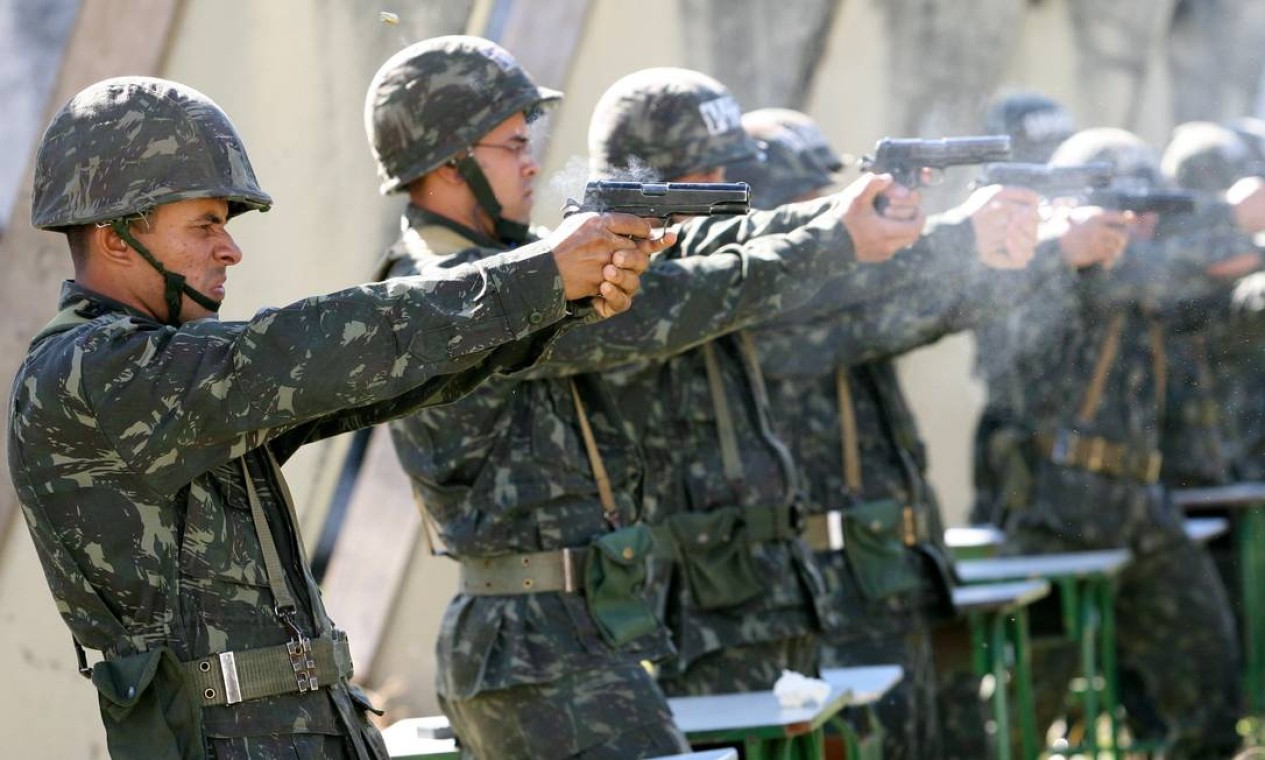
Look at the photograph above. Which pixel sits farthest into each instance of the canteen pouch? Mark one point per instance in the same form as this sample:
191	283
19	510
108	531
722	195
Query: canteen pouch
615	585
879	559
716	558
147	707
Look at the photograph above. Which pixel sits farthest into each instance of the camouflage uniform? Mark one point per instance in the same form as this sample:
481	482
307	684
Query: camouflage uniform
1213	406
505	472
146	456
1110	334
1002	461
806	356
764	604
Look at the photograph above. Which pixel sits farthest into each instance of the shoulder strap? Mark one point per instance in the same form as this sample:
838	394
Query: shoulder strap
604	490
272	559
1159	365
731	461
1106	359
848	432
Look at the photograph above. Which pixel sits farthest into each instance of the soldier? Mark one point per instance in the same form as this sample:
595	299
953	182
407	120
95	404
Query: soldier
739	615
835	399
1213	401
1212	369
1096	400
535	479
146	436
1036	125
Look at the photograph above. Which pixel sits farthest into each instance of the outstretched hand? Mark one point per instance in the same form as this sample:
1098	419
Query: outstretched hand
878	235
602	256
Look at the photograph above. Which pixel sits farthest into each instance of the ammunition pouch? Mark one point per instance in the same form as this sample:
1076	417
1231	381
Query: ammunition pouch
615	585
714	550
1100	455
877	537
148	707
887	548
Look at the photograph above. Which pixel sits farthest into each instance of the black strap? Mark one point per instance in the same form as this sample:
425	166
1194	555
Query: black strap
507	231
174	284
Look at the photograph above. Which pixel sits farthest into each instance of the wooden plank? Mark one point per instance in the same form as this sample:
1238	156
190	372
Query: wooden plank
999	597
1063	565
109	36
377	540
1235	495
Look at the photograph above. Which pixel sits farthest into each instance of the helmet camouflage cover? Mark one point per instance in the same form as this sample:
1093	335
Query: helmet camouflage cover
1206	157
437	97
1036	124
1132	160
797	159
123	146
664	123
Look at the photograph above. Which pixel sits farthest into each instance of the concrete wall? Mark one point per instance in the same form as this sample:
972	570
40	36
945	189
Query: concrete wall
292	74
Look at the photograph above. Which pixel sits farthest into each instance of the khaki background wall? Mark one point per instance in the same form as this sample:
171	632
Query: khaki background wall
292	74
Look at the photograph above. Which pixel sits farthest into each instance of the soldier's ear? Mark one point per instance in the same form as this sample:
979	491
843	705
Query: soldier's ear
107	245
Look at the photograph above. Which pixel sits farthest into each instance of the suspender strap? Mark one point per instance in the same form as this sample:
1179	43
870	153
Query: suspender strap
604	491
1106	358
848	433
1159	360
730	460
755	376
272	560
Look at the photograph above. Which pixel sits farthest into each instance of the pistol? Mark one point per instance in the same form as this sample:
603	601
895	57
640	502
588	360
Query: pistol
663	200
1162	202
906	158
1049	181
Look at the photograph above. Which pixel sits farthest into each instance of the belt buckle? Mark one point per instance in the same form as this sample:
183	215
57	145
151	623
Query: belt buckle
1097	452
228	674
834	530
1062	445
568	570
909	531
304	665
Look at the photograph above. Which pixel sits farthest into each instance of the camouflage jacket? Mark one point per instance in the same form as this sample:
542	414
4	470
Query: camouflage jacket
128	440
1146	294
1214	427
505	470
671	407
802	352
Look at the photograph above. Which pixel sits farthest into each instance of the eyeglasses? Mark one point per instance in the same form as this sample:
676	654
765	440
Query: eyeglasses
519	146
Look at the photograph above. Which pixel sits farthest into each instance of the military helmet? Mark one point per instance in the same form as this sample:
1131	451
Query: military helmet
1251	131
1036	124
436	98
1133	161
663	123
797	159
1205	156
123	146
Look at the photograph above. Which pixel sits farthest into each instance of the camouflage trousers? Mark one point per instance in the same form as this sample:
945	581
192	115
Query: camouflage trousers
614	713
1177	649
286	747
750	667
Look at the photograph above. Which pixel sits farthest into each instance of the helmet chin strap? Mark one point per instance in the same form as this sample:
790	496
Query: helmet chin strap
174	285
506	230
